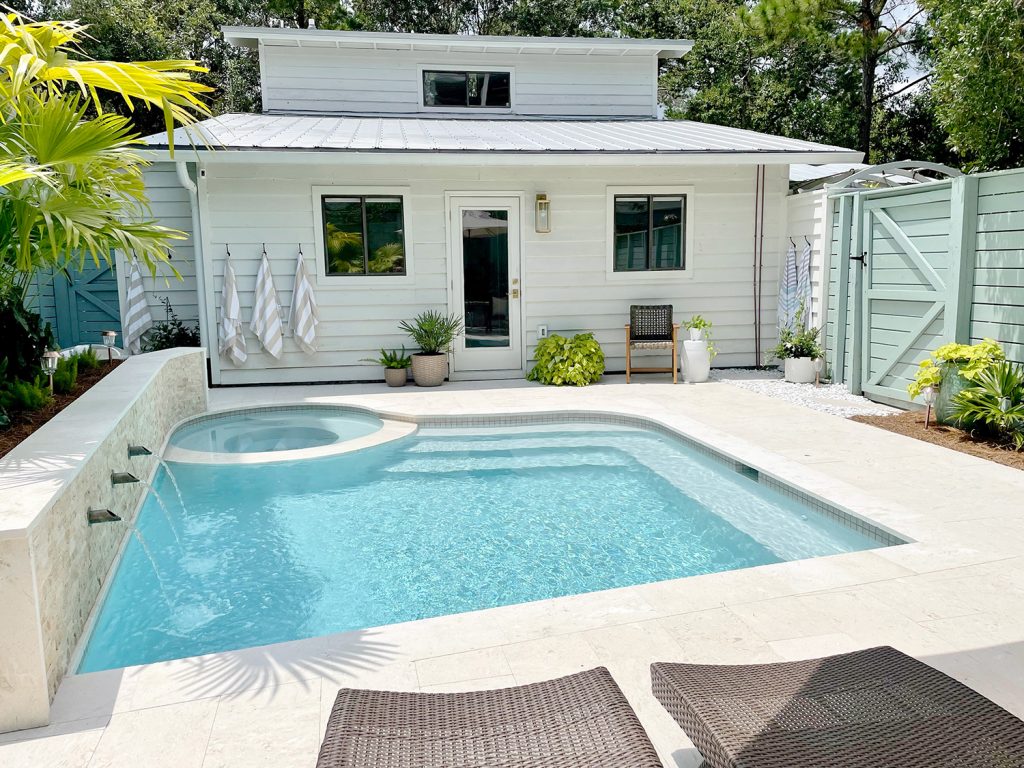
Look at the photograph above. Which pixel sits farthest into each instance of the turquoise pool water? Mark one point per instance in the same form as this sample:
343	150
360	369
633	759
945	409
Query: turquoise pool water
433	524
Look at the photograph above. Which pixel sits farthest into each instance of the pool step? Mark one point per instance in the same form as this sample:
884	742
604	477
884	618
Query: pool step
472	460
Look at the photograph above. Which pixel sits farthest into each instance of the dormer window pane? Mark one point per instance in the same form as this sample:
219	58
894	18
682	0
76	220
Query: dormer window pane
467	89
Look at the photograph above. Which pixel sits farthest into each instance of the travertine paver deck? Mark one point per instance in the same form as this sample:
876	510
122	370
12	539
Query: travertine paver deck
955	598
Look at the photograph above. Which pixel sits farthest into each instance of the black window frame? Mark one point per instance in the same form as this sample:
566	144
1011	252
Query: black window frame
466	73
365	235
684	205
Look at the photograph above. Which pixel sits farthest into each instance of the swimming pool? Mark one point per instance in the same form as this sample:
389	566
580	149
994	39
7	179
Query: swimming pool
432	524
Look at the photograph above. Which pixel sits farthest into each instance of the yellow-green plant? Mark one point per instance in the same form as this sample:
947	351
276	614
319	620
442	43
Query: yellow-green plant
578	361
71	182
970	360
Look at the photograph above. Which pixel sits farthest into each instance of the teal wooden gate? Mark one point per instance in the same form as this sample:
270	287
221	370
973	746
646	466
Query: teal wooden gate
79	305
913	265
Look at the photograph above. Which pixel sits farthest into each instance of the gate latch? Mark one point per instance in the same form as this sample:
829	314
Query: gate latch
863	258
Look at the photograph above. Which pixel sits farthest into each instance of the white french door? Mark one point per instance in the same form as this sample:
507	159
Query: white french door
484	256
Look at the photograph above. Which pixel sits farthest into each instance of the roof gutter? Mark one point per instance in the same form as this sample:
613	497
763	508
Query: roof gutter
313	156
181	167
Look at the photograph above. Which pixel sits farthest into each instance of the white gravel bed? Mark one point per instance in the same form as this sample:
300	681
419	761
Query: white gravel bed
828	398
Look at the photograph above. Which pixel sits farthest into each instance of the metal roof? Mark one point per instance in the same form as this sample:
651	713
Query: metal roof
297	133
249	37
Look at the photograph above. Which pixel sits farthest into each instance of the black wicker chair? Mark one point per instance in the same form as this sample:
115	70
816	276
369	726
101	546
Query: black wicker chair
651	327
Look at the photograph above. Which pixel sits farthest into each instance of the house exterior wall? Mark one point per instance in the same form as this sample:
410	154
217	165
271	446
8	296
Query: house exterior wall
807	217
333	80
169	205
565	280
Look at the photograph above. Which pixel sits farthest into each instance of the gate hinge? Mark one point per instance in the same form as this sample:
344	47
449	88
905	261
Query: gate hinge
863	258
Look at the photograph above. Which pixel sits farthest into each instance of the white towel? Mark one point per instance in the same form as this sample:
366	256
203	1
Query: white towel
787	289
304	314
803	284
266	311
232	342
137	318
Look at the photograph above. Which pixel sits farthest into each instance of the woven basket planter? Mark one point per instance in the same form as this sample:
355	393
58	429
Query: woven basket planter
396	377
429	370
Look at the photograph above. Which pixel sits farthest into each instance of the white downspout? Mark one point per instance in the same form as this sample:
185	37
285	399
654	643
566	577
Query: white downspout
197	253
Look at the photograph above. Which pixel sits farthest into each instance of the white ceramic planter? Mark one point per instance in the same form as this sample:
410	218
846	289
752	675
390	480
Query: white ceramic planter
429	370
799	370
696	334
696	361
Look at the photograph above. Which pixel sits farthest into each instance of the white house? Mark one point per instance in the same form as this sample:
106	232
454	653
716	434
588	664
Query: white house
525	184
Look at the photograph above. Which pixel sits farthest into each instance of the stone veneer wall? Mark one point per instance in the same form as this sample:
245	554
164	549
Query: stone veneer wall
47	485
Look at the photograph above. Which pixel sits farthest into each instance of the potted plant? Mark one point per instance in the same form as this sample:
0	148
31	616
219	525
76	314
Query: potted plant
433	334
396	366
698	351
951	368
798	348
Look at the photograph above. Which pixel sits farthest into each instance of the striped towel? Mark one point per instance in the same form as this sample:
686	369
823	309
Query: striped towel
787	289
803	284
232	342
304	314
266	311
137	318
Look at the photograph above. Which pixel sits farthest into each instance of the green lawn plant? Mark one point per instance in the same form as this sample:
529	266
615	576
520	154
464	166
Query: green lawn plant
992	405
970	361
698	322
578	361
392	358
432	331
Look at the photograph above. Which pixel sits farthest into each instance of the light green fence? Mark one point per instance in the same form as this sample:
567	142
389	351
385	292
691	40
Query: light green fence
915	267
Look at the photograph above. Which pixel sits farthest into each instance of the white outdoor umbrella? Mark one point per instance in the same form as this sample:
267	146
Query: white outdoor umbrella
137	318
803	284
232	342
266	311
304	314
787	289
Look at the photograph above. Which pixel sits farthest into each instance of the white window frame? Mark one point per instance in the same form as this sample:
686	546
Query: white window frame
650	275
358	280
467	68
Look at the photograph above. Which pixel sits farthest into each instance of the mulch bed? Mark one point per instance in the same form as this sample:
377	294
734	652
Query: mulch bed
911	424
24	423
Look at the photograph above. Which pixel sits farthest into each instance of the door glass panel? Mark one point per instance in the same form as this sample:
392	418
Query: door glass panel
485	277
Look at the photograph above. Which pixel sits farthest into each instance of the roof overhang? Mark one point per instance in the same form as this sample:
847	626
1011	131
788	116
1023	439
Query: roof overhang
206	157
252	37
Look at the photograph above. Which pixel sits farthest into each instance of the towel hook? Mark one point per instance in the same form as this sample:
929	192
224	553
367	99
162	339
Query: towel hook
227	250
791	242
300	249
264	249
807	241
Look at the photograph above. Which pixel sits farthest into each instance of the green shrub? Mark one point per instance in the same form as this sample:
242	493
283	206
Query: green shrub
432	331
391	358
66	375
970	360
992	405
88	360
23	338
170	333
578	361
20	395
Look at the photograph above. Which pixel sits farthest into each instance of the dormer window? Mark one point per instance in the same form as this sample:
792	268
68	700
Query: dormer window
463	89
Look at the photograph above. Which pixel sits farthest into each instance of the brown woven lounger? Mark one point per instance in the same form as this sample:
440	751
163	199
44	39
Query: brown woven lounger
579	721
871	709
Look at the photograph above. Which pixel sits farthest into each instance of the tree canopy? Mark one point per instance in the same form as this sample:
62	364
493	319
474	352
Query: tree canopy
900	79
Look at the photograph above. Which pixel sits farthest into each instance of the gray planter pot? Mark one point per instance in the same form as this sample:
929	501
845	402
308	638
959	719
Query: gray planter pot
429	370
396	377
952	383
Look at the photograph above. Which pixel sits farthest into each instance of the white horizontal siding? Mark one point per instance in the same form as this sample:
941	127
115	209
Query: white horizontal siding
564	279
388	82
170	207
806	218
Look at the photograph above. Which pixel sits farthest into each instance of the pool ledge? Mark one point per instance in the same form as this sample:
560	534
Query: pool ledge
390	431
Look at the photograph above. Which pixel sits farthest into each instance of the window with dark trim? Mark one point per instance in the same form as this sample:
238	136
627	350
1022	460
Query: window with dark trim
650	233
442	88
363	235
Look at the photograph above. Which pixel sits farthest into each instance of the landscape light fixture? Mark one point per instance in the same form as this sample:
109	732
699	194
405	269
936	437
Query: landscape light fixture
929	395
109	337
50	360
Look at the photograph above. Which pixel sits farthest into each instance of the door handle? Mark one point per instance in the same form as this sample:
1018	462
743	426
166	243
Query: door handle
515	293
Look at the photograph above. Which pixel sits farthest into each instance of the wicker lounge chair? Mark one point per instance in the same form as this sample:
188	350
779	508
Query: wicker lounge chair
870	709
651	327
582	720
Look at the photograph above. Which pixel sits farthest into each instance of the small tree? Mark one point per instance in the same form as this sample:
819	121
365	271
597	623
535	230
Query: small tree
71	183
